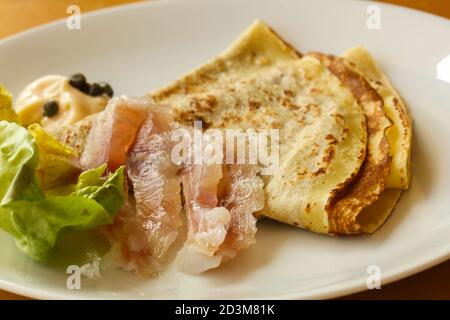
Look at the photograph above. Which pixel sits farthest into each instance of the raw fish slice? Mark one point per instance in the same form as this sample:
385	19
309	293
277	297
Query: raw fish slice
136	132
220	201
207	222
245	197
130	249
155	181
114	132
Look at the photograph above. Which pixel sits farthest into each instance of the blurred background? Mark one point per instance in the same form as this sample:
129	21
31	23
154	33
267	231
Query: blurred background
19	15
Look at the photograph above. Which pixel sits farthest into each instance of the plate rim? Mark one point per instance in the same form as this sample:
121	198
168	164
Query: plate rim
126	6
354	286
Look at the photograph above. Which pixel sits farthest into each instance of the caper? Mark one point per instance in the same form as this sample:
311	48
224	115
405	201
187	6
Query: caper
106	89
51	108
78	81
95	90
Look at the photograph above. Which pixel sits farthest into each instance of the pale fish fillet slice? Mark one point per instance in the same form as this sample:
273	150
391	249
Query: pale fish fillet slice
130	249
155	181
220	203
207	222
245	197
136	132
114	132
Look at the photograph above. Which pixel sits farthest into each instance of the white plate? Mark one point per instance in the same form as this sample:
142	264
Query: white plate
141	47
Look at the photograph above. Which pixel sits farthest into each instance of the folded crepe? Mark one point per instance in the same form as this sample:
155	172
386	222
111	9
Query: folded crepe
345	135
344	132
399	137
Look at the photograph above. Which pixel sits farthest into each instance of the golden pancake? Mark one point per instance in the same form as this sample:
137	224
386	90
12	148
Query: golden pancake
261	82
375	170
400	134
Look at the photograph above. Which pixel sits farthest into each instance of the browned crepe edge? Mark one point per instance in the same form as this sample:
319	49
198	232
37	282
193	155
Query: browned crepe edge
344	208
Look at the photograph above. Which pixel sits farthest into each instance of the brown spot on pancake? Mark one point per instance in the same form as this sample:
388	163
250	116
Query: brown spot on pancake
406	122
254	105
312	109
331	138
319	172
339	116
329	155
308	208
289	93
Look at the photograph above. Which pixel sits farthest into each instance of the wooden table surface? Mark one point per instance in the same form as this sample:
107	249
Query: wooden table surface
18	15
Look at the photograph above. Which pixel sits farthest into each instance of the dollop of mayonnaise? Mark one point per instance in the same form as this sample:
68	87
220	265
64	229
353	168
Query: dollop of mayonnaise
74	105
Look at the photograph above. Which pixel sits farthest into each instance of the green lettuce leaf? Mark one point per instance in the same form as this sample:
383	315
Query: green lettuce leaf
36	218
108	193
6	110
37	224
18	161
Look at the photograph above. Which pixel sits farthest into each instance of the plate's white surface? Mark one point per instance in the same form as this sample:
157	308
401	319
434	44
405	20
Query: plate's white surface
141	47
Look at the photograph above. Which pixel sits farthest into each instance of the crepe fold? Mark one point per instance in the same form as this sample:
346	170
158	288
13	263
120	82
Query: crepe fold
344	131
